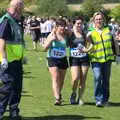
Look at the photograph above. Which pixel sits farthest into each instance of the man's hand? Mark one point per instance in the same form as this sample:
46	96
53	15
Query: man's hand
4	64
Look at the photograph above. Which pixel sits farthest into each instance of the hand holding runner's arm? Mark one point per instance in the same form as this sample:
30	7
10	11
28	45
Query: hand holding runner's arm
89	45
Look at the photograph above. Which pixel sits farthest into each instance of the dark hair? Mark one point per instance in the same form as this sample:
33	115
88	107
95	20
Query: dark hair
42	20
77	18
60	22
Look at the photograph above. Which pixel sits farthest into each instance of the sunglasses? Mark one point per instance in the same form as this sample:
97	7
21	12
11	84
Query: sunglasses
79	23
99	19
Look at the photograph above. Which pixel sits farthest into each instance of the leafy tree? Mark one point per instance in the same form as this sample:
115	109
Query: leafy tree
2	11
112	1
91	6
74	1
52	7
79	1
115	12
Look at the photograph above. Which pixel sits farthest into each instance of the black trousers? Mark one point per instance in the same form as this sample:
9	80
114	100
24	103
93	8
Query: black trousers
11	87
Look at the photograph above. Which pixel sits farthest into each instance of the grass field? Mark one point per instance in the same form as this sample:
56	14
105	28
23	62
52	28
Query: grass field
37	100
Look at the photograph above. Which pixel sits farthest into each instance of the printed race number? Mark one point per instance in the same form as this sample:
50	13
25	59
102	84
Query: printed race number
58	53
77	53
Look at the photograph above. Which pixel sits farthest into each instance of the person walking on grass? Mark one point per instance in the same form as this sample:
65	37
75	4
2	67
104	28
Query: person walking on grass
35	31
11	55
79	62
56	44
101	58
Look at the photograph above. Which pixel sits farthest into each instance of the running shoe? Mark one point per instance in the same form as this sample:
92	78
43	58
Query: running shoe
73	98
99	104
80	102
57	102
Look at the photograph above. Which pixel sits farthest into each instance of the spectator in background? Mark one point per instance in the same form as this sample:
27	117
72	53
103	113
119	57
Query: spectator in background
90	25
28	25
113	26
117	35
35	31
43	31
49	26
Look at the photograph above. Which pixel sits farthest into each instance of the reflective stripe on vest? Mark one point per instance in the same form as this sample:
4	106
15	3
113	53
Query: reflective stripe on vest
102	49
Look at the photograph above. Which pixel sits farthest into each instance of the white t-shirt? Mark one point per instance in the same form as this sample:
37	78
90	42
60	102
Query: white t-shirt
43	27
49	26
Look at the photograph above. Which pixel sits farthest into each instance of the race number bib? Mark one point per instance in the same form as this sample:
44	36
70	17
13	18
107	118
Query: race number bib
77	53
58	52
80	46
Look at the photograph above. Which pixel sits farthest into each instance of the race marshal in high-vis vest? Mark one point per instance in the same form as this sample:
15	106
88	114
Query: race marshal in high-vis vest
102	48
101	57
11	59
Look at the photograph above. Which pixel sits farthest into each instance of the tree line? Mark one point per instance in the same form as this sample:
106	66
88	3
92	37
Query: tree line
60	8
81	1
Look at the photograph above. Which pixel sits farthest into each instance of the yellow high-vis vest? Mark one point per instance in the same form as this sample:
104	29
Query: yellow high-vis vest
102	46
15	45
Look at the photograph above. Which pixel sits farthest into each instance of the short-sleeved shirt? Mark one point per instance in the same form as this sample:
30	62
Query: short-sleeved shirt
5	30
35	23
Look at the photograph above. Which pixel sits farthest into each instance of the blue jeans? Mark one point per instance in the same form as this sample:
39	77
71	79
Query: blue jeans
101	72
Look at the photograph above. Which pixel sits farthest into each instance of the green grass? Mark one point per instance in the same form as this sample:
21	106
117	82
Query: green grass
37	99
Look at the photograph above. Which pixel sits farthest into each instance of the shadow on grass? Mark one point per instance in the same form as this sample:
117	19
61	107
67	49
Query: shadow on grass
26	94
30	77
68	104
76	104
26	72
114	104
27	75
59	117
90	103
23	91
111	104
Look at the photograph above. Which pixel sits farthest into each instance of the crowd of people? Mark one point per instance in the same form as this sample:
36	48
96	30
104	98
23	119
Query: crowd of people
87	46
39	27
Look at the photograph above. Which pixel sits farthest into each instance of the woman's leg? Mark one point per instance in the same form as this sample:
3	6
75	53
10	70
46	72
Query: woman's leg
54	71
83	75
34	45
75	70
62	78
